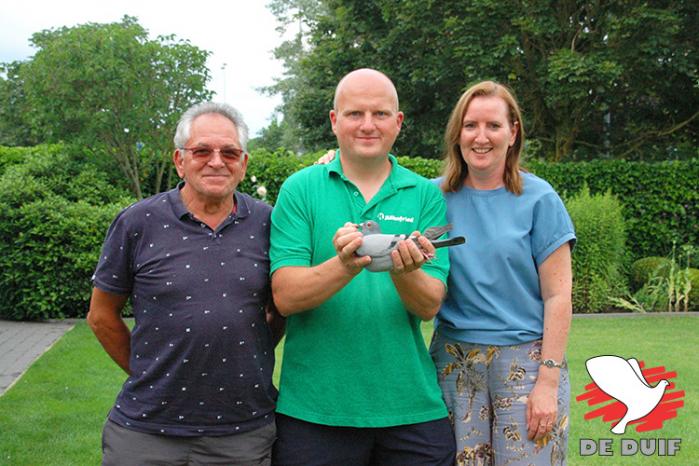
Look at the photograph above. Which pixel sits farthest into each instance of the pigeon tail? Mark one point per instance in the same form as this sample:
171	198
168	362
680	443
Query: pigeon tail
449	242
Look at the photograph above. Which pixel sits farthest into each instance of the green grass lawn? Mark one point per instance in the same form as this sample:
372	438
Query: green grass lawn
54	414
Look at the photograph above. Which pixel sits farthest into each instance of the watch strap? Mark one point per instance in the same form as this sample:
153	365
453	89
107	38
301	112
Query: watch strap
551	363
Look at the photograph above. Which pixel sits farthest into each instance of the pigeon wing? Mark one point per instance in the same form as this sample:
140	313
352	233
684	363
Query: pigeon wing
378	245
433	233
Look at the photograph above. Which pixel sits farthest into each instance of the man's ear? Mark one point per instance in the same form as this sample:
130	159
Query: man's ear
333	119
178	160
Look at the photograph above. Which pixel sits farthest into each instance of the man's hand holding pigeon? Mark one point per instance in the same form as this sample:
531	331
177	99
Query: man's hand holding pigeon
346	241
408	257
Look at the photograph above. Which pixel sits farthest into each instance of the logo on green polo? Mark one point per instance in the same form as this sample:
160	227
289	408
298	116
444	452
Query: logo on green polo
395	218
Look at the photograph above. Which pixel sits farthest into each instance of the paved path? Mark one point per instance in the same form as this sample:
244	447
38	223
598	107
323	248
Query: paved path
21	343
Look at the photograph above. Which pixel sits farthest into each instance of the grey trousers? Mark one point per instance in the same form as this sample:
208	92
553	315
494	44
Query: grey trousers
125	447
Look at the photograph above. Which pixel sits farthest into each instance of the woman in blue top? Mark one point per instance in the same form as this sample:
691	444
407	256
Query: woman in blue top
500	336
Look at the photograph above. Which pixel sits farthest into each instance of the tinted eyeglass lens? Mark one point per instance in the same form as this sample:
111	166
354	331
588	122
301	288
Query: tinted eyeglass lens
228	153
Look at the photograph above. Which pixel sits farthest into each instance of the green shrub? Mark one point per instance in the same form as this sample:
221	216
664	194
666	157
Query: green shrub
429	168
15	155
600	251
54	212
693	275
271	169
644	269
664	283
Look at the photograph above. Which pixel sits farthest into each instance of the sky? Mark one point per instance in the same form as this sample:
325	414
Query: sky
240	34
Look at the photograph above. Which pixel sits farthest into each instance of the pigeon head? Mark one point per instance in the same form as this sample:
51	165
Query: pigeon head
369	227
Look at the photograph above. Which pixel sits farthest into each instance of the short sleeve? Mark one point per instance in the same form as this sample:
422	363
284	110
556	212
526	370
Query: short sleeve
552	227
114	272
434	213
290	236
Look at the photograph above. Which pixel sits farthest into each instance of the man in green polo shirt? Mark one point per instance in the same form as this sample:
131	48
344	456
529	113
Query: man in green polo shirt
358	385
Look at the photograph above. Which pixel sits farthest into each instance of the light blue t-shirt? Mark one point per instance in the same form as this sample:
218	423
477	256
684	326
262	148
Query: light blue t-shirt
494	295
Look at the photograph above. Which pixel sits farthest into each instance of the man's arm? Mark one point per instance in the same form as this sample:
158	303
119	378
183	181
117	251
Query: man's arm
275	321
298	289
105	320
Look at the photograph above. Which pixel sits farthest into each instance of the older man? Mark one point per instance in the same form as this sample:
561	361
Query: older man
358	385
194	261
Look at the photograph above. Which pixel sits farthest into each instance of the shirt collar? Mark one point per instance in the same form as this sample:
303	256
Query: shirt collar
398	178
243	206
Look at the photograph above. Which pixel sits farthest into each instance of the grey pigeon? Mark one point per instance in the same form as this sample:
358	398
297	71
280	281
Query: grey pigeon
379	246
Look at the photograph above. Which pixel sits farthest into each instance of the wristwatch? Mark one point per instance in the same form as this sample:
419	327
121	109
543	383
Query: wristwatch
550	363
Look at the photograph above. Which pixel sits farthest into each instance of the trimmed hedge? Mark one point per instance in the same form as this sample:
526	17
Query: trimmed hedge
660	199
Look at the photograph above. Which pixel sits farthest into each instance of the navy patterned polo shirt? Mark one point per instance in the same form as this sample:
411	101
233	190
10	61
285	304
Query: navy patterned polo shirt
202	355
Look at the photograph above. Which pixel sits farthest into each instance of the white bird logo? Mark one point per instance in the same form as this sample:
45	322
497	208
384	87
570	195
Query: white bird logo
623	380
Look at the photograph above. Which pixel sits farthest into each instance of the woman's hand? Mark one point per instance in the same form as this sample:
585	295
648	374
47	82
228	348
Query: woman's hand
542	406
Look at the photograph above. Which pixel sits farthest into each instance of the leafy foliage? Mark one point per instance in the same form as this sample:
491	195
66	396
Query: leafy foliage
271	169
592	77
15	155
664	283
54	210
109	88
600	251
14	109
644	269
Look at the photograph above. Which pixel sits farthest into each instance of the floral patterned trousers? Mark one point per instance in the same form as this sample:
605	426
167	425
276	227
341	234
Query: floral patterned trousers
486	389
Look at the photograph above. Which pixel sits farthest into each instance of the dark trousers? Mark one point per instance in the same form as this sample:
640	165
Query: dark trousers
301	443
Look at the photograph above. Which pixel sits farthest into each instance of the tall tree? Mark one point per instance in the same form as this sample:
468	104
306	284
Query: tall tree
112	89
14	131
591	76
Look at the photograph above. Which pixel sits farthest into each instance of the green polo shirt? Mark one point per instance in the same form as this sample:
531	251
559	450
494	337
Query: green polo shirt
359	358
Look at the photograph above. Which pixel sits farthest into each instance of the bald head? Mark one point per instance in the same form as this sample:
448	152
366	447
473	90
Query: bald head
365	118
369	79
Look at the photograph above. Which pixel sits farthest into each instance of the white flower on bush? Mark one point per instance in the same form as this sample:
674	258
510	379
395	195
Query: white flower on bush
253	178
261	191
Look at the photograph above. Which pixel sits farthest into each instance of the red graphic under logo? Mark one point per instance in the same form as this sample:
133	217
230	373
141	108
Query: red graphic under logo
622	387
